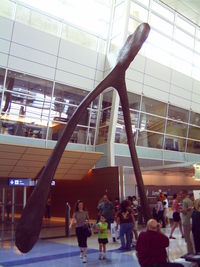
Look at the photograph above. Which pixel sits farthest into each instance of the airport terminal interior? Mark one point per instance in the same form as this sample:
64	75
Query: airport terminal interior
52	55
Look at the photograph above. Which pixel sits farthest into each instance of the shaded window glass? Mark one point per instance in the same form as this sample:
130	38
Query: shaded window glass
193	146
2	77
132	25
138	12
107	99
134	117
134	101
26	105
178	114
176	128
194	132
154	106
103	135
105	117
195	118
186	39
7	9
149	139
152	123
174	143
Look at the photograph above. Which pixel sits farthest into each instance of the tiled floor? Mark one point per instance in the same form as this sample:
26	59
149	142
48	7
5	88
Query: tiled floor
54	249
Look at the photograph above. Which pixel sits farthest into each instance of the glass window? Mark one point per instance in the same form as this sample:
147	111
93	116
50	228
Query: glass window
37	20
174	143
144	2
184	38
103	135
185	25
134	118
132	25
149	139
160	40
117	26
7	9
119	11
2	77
105	117
193	146
163	11
107	99
157	54
152	123
162	25
178	114
194	132
176	128
181	65
197	45
138	12
196	60
77	36
154	106
195	118
26	105
134	101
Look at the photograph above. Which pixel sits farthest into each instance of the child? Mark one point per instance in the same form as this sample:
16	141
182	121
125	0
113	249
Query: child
102	227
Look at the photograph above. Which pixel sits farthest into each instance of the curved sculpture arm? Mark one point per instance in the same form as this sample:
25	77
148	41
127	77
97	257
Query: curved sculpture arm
29	225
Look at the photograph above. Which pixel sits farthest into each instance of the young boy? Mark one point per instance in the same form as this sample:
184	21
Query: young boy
102	227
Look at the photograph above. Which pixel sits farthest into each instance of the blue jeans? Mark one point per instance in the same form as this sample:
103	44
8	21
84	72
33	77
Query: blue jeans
126	229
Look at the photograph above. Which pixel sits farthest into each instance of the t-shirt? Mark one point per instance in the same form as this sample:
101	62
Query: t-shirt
81	217
107	210
102	230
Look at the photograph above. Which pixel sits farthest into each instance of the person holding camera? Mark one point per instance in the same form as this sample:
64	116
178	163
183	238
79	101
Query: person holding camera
151	245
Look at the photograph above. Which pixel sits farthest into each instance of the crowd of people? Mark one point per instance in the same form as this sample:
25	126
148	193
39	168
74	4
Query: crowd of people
150	244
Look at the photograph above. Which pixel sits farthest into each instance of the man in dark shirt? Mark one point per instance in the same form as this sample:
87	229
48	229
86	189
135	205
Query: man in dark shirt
151	245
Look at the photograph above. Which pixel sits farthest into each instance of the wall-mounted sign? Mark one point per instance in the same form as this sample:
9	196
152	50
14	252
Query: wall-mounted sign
25	182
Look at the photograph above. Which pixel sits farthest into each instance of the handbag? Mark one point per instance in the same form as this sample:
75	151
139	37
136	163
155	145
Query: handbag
87	229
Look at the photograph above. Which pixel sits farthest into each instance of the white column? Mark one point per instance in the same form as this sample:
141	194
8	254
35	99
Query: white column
112	129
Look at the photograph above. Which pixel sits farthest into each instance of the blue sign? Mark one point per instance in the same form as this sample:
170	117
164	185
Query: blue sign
25	182
19	181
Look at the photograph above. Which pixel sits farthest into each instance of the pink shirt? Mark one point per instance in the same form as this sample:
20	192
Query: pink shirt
176	206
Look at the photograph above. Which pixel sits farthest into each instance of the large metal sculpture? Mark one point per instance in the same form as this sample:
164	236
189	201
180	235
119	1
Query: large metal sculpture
29	225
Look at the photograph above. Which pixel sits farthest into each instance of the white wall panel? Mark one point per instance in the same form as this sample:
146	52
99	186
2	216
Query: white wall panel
4	46
157	70
179	101
138	63
3	60
6	28
181	80
180	92
134	75
134	87
195	107
99	76
36	39
79	54
156	83
196	98
75	68
196	87
31	68
101	62
73	80
33	55
155	93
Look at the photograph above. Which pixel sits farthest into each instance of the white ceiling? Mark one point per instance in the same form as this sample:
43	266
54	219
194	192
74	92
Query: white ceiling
188	8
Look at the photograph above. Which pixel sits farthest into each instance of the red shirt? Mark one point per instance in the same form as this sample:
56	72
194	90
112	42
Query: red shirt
151	248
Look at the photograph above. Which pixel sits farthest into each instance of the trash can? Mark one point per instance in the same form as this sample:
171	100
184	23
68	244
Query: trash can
67	219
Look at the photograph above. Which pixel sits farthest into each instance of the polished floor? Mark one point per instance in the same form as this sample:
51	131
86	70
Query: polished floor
54	249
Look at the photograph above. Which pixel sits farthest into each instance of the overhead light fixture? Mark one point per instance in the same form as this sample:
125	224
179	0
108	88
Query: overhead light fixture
196	171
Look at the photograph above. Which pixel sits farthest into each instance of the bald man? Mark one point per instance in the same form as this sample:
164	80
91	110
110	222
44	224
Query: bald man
151	245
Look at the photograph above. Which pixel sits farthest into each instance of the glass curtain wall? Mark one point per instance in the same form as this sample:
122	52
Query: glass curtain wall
33	107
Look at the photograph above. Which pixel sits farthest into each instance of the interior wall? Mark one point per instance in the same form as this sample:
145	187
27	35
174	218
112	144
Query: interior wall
90	189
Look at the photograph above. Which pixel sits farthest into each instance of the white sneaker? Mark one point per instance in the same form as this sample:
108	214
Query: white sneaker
81	255
84	259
